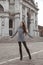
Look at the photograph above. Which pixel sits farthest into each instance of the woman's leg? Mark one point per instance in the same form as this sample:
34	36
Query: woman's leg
24	43
20	49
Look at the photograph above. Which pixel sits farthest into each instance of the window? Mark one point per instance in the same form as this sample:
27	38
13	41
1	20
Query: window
10	27
10	23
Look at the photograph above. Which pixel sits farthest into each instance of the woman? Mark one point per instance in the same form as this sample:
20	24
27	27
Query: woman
21	39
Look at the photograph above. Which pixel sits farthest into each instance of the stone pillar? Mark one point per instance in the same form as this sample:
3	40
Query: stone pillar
0	28
17	21
20	10
4	27
32	27
17	14
36	25
32	24
26	16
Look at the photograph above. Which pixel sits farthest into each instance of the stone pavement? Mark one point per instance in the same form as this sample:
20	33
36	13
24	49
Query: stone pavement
36	60
9	54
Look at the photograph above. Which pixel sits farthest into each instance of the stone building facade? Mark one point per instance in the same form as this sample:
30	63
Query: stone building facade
12	12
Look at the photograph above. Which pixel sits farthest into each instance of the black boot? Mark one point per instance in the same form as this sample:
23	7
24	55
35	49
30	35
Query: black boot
30	57
21	59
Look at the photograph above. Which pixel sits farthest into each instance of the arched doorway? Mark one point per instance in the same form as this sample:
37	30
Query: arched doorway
28	21
10	27
1	8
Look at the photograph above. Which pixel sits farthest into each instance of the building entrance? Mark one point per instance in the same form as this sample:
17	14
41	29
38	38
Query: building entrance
10	27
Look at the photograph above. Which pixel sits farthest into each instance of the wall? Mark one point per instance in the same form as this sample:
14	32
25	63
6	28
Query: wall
4	20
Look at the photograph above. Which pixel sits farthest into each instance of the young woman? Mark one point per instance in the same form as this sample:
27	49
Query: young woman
21	39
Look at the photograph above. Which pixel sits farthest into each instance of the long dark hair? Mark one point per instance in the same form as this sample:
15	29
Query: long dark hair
24	27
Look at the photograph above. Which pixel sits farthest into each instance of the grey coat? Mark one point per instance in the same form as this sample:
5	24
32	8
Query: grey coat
21	36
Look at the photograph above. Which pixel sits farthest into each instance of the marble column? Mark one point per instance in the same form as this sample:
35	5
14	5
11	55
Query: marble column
17	14
26	16
32	24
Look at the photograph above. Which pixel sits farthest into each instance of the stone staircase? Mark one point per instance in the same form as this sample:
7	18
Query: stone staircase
14	40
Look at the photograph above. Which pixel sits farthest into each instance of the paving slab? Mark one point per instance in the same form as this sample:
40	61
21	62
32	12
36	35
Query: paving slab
9	54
